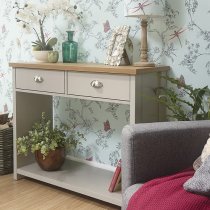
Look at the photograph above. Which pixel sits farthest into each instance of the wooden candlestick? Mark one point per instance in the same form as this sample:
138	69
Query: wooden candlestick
143	54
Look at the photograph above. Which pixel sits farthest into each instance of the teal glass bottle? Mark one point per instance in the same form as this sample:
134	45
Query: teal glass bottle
69	49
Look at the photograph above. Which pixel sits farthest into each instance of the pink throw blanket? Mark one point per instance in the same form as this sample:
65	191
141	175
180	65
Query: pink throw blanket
167	193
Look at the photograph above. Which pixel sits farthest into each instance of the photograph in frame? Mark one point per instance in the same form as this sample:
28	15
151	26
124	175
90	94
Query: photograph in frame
116	47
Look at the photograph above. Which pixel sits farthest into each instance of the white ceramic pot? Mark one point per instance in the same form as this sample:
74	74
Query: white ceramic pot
41	56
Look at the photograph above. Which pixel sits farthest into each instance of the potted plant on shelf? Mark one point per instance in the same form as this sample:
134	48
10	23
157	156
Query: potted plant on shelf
43	50
48	144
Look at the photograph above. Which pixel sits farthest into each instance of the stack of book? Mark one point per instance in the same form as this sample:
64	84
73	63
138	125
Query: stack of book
115	184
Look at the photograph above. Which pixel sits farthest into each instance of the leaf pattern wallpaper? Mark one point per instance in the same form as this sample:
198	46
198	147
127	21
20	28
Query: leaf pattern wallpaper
102	131
181	39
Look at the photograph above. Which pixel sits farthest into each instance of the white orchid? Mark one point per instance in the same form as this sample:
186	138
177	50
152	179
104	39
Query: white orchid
32	16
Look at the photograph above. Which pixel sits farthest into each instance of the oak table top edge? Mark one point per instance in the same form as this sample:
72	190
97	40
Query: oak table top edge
89	67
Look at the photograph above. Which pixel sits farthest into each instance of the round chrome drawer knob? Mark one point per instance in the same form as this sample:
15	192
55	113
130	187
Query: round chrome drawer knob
96	84
38	79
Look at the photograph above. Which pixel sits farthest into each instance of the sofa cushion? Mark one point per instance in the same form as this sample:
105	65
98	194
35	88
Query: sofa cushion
206	151
200	182
129	192
204	154
197	163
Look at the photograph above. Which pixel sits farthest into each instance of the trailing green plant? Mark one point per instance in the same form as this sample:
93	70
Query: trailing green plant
44	137
194	106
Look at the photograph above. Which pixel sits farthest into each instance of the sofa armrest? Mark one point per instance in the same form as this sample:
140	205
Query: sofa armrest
151	150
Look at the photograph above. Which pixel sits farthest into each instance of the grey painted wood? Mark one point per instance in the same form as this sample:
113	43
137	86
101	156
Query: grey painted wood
113	86
31	99
40	80
28	111
77	177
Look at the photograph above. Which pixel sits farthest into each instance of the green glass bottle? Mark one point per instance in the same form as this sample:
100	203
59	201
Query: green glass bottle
69	49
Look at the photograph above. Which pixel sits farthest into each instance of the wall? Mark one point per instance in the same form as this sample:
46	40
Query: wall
187	53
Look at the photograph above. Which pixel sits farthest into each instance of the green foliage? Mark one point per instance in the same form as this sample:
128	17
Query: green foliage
192	107
44	138
40	45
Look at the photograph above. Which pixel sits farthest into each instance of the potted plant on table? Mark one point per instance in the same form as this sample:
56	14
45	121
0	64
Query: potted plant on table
48	144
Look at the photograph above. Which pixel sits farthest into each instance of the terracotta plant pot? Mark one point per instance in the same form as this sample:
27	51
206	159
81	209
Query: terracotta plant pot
53	161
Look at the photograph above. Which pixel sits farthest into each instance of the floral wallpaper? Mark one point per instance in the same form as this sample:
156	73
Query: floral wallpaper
102	131
180	39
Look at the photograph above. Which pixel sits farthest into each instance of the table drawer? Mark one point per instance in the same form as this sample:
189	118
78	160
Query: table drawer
40	80
108	86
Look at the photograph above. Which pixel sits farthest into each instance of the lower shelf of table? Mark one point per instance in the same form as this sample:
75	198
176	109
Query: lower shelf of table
77	177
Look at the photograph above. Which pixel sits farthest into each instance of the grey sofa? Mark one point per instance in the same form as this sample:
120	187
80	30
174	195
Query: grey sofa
151	150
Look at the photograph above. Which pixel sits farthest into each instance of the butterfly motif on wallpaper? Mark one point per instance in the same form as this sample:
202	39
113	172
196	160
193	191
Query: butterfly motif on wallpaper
3	29
90	158
181	82
5	108
107	126
106	26
2	75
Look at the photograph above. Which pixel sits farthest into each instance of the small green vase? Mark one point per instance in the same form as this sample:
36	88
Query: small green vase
69	49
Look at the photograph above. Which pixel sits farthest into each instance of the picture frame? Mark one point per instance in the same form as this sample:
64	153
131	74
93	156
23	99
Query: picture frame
116	47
